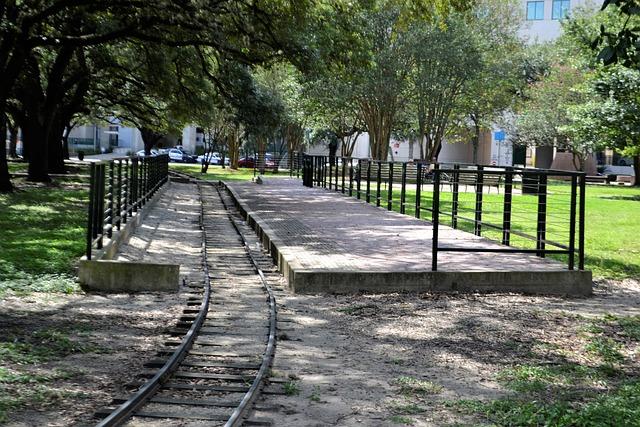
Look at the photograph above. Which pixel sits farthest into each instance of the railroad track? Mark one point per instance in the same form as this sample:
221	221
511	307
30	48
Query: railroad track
218	362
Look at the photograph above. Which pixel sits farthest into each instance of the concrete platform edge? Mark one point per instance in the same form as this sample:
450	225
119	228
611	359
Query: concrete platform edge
102	273
309	281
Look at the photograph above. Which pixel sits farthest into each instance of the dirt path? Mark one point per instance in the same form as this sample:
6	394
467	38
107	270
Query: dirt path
362	360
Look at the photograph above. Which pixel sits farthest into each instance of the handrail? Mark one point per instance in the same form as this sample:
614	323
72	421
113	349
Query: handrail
355	177
118	188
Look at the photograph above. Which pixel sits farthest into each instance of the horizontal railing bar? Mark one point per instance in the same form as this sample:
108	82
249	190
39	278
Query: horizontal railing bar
505	250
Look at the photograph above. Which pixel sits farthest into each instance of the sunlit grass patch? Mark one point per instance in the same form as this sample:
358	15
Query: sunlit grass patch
359	309
24	379
589	380
549	378
217	173
43	235
40	346
620	407
401	419
411	386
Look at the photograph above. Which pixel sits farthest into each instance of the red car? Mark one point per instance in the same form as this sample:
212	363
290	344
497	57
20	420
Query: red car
246	162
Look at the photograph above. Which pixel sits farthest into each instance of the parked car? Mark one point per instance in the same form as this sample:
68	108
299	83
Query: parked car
154	152
214	158
177	155
247	162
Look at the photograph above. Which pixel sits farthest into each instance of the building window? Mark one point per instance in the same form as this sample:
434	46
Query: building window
535	10
560	9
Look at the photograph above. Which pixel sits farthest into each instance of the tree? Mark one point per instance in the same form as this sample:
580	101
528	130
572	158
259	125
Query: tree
550	115
263	114
497	79
48	93
620	42
444	60
381	84
331	104
245	31
283	82
612	117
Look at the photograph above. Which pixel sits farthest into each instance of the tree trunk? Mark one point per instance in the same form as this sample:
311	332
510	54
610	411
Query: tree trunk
333	149
34	137
636	170
476	143
379	122
411	142
13	141
233	141
65	141
150	138
56	152
422	139
262	146
5	181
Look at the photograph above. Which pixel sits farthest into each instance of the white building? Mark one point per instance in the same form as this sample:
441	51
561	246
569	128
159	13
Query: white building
125	140
543	17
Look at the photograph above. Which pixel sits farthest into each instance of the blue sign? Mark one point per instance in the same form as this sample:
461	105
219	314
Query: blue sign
499	135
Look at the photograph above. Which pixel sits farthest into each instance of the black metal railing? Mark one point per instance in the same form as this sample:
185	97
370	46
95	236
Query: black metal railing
268	163
119	188
515	210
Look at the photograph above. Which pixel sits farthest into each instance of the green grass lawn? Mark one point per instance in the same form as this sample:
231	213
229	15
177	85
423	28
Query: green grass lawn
217	173
43	232
612	214
592	380
15	167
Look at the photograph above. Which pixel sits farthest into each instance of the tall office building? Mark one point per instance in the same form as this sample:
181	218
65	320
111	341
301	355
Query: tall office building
543	17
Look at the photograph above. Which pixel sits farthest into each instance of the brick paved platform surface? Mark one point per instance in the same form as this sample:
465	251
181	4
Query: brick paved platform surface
328	242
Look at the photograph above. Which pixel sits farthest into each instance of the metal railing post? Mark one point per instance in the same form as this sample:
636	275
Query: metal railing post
542	215
335	161
92	196
134	184
119	204
506	215
368	181
477	229
572	222
435	218
390	188
127	191
147	180
343	173
358	178
379	182
324	171
350	177
403	188
110	200
583	181
454	196
418	189
100	211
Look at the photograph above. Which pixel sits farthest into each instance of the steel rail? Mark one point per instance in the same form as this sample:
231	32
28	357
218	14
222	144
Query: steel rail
127	409
237	417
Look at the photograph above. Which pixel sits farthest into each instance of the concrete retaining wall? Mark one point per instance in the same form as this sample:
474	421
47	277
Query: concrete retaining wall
102	273
304	280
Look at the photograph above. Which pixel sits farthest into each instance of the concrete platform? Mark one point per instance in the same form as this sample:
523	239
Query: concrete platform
324	241
159	249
